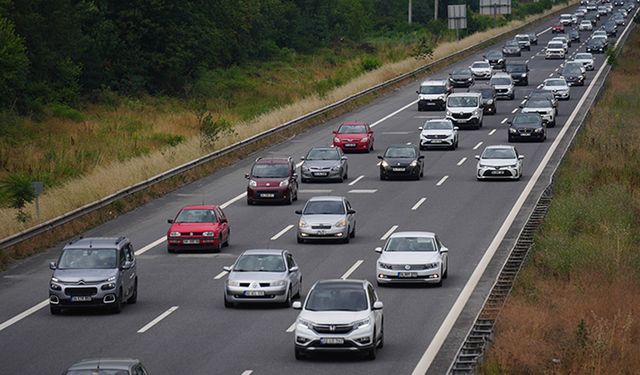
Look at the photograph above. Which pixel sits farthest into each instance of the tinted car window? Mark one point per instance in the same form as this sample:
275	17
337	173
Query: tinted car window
432	89
88	259
500	81
260	263
196	216
352	129
498	153
280	170
323	154
337	299
524	119
410	244
324	208
516	68
400	152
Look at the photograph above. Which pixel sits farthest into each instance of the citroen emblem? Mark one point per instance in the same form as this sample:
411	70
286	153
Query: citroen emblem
407	267
81	282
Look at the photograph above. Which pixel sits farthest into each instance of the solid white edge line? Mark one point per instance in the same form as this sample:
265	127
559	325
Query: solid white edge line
279	234
220	275
523	101
465	158
158	319
356	180
151	245
393	113
442	180
233	200
492	132
477	145
352	269
446	326
8	323
389	232
418	204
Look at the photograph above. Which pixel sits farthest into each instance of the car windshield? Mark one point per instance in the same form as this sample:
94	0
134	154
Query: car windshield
400	152
523	38
88	259
352	129
337	299
516	68
486	93
500	81
461	72
433	89
572	70
462	101
537	103
586	23
480	65
323	154
196	216
279	170
511	43
438	125
410	244
101	371
259	263
494	55
499	153
583	56
556	45
524	119
323	208
555	82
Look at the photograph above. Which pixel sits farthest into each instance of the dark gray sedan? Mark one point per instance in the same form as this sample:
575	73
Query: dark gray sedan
324	163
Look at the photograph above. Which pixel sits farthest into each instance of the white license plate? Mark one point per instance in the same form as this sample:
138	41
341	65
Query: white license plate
81	299
191	242
431	103
254	293
497	172
332	340
525	134
350	145
321	174
407	274
436	141
267	195
398	169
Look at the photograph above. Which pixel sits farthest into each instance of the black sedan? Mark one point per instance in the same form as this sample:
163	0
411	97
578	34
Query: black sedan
402	161
462	77
573	75
495	59
574	35
511	48
527	127
611	29
596	46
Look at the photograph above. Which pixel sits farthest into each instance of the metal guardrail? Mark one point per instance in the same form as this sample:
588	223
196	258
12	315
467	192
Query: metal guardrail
101	203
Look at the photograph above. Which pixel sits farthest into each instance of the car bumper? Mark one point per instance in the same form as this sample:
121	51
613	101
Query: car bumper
466	122
101	298
399	172
526	136
464	83
310	341
554	55
322	234
519	80
485	75
504	94
561	94
268	195
487	173
435	143
199	243
322	175
353	146
430	276
275	294
433	103
578	82
595	50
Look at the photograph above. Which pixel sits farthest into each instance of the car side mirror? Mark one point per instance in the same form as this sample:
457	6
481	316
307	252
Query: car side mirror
351	212
302	158
380	157
53	265
417	91
222	221
419	127
378	250
444	250
421	157
297	305
246	175
295	176
477	157
377	305
126	266
520	157
335	132
170	221
294	269
456	128
521	105
227	268
509	122
299	212
344	158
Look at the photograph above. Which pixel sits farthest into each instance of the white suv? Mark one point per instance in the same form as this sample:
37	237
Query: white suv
465	109
339	316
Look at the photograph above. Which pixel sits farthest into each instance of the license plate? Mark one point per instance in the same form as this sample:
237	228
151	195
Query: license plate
431	103
321	174
525	134
398	169
267	195
254	293
191	242
350	145
332	340
436	141
81	299
497	172
407	274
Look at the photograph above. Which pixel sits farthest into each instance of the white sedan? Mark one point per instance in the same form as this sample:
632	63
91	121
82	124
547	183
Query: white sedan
500	161
558	86
481	70
586	59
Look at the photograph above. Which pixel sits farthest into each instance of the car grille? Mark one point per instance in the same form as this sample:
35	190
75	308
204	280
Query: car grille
436	136
490	173
411	267
320	168
525	131
502	91
333	328
246	285
72	292
461	115
322	226
190	234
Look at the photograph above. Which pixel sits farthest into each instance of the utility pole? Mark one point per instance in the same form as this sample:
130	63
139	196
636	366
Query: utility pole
410	12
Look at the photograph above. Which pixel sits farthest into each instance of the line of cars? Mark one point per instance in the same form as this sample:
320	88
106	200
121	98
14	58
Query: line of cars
336	315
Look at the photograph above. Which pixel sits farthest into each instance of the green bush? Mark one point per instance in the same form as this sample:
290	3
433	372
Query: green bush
168	139
66	112
369	63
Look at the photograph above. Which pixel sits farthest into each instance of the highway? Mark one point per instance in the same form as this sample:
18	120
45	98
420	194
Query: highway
180	325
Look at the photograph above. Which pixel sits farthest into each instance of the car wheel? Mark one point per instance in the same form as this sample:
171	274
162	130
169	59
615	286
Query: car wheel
228	304
382	177
346	174
346	238
299	354
456	146
353	232
445	274
299	292
289	300
55	310
226	243
289	200
439	284
371	147
373	352
341	178
117	304
134	296
300	240
249	202
381	342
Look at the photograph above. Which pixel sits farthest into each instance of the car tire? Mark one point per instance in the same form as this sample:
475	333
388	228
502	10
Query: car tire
299	292
249	202
346	174
341	179
117	304
370	147
289	301
299	355
445	274
134	296
289	200
300	240
372	353
353	232
381	342
226	243
55	310
439	283
228	304
346	239
382	177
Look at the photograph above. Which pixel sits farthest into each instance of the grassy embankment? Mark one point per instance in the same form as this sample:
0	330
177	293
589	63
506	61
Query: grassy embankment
575	307
88	154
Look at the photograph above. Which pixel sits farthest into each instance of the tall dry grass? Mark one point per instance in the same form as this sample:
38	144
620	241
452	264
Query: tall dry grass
109	177
575	308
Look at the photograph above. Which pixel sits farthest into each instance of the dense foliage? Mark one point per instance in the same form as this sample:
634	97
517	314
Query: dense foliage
57	51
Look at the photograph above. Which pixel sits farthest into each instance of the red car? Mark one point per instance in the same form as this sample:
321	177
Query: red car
198	228
559	28
272	179
354	136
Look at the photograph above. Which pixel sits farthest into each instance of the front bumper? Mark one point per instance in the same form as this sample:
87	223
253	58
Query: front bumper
192	243
265	194
485	173
461	83
482	75
75	296
399	172
321	175
332	233
596	50
428	276
533	136
439	142
504	93
275	294
554	55
575	82
472	121
561	94
431	103
357	340
352	145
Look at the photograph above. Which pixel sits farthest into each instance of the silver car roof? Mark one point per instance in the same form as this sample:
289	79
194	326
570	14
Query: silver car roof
264	252
412	234
326	198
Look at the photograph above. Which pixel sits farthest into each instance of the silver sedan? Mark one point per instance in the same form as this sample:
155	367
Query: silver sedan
324	163
263	276
327	218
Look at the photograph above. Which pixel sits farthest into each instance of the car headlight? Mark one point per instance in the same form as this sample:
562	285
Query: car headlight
470	79
384	265
302	224
174	234
361	323
233	283
364	139
284	183
279	283
480	165
305	168
112	278
441	97
341	223
336	140
476	112
54	279
305	323
524	75
448	114
209	234
432	265
336	168
539	130
512	166
512	130
384	163
414	163
490	101
253	183
108	286
54	286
